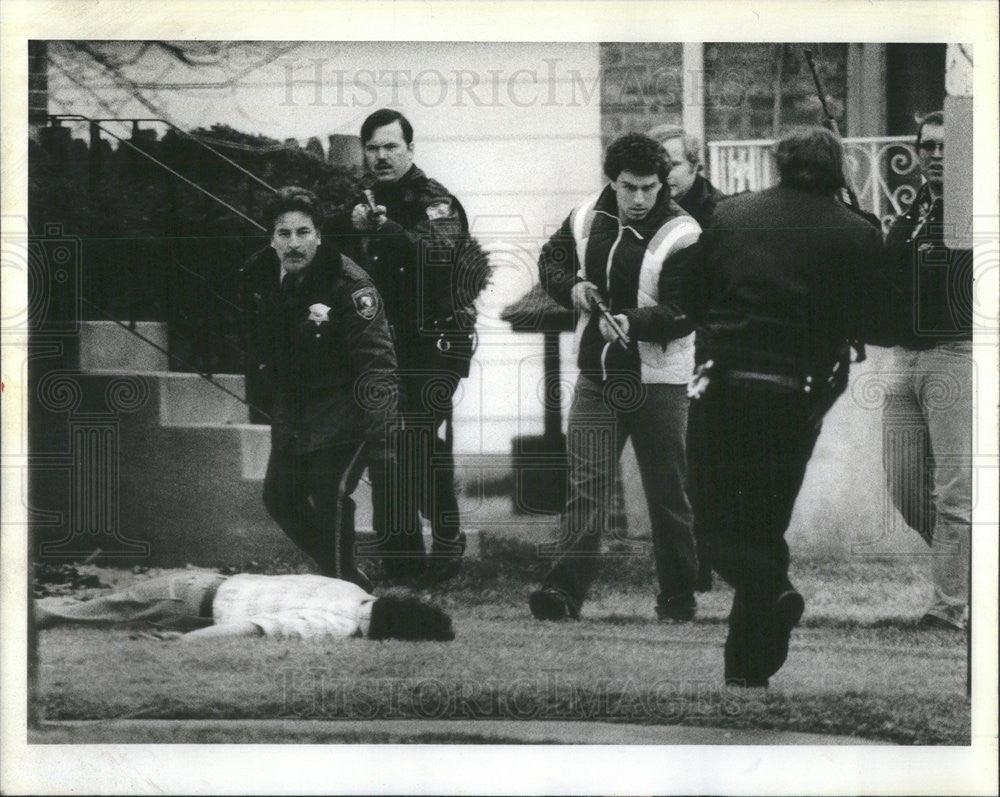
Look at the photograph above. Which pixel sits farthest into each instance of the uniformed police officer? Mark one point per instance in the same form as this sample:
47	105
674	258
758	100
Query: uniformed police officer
322	334
411	235
780	284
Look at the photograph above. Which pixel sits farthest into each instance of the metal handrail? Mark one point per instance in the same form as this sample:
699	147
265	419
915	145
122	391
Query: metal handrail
177	129
164	166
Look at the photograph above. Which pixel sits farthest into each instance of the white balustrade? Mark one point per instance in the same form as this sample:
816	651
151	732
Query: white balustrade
882	171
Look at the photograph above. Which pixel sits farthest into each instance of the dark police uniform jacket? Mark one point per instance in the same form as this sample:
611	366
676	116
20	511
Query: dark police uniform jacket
781	281
700	200
326	349
427	268
930	301
637	268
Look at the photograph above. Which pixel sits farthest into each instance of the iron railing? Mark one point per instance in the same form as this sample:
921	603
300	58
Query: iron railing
882	171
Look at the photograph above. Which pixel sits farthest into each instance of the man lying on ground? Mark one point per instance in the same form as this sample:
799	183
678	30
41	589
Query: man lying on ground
246	604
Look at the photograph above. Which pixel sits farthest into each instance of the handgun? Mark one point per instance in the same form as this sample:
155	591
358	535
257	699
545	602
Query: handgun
372	207
597	303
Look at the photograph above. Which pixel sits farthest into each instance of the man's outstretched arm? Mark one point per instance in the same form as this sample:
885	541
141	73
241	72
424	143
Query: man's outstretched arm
237	629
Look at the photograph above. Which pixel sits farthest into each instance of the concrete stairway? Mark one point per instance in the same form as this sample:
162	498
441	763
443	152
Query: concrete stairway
163	468
176	478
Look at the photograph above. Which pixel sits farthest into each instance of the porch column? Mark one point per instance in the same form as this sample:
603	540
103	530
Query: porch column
693	115
866	104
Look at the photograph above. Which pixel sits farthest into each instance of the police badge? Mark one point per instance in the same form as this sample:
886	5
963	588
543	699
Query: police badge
366	303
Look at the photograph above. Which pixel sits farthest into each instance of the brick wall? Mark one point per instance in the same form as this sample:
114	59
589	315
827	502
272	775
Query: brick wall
643	86
740	87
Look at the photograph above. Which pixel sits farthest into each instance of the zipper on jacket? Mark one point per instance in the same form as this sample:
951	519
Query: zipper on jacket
607	279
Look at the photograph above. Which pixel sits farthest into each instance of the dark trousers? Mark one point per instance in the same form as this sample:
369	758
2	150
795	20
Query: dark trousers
655	418
300	493
753	456
699	492
423	447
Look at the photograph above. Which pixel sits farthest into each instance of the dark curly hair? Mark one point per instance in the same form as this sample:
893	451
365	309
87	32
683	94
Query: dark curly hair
811	159
636	153
289	198
396	617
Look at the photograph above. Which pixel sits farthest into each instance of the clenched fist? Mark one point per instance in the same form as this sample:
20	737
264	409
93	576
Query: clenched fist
364	219
581	294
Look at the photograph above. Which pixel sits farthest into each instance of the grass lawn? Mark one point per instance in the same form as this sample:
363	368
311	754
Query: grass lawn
858	665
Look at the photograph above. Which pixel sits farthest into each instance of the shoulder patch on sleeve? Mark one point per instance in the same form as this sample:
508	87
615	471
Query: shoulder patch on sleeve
439	209
367	302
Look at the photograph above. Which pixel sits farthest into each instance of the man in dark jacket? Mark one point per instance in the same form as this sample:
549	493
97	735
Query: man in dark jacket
411	235
624	249
689	188
777	289
927	422
696	195
321	331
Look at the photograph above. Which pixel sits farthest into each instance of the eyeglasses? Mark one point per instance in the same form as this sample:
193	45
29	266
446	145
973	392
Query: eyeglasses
930	146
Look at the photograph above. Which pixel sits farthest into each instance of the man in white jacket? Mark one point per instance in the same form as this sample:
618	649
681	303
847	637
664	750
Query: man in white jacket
247	604
624	251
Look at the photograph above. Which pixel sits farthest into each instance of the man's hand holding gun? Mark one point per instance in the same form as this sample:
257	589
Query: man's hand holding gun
368	217
587	297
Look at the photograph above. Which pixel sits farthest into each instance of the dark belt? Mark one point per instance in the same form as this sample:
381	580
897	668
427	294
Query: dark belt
792	384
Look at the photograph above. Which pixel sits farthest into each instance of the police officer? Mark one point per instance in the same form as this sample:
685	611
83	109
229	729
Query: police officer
320	328
690	189
779	285
411	235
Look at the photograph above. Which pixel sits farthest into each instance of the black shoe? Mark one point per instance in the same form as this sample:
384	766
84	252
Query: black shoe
445	562
704	582
676	609
403	570
552	603
746	682
439	569
357	576
784	616
934	621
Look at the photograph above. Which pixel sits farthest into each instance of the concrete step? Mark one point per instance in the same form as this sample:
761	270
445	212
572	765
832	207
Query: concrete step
106	345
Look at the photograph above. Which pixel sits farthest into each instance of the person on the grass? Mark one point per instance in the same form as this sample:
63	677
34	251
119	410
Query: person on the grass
624	248
286	606
927	420
778	287
321	331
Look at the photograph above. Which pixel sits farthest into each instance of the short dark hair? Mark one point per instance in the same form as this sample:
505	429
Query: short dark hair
383	117
397	617
289	198
933	118
636	153
811	159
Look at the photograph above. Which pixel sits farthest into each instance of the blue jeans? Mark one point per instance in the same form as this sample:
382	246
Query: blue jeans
601	419
927	454
176	600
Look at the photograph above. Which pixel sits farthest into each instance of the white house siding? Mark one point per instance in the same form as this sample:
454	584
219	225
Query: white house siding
512	129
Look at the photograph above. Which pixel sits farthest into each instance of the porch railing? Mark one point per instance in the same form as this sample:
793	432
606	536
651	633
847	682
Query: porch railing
882	171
